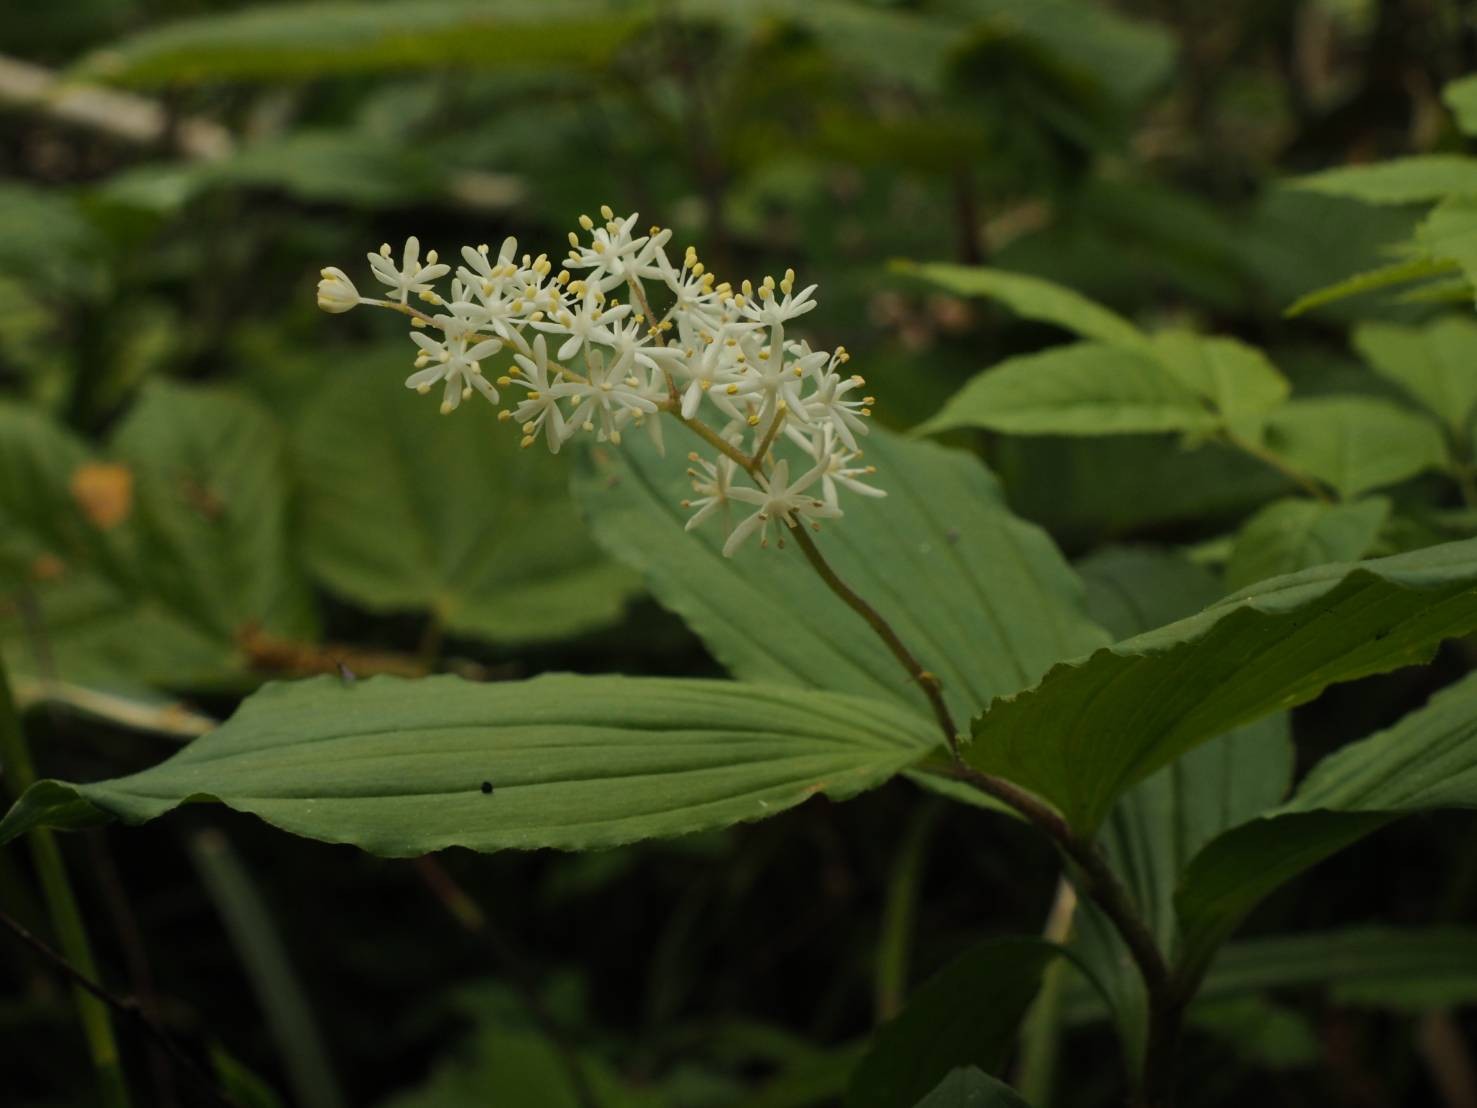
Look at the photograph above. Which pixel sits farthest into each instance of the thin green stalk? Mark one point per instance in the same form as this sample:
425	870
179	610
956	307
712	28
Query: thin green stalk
894	948
66	916
288	1014
1041	1034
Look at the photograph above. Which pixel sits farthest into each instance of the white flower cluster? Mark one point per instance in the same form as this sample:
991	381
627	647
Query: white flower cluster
620	335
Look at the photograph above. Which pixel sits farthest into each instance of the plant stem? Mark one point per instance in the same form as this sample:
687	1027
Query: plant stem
66	916
1268	457
123	1005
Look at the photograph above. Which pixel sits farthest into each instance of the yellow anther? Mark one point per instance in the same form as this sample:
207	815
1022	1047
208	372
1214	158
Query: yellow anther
528	440
574	240
732	390
606	211
483	248
504	415
587	223
431	257
384	250
423	389
504	382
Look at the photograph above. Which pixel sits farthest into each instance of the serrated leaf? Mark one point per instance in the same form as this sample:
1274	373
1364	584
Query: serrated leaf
1031	298
1426	760
1093	727
1398	273
1420	178
1237	379
403	508
1086	388
965	1015
1355	444
1293	534
1450	233
969	1088
1461	97
1435	363
401	768
312	40
984	599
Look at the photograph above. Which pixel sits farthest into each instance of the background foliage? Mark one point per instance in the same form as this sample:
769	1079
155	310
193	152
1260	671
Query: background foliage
1060	233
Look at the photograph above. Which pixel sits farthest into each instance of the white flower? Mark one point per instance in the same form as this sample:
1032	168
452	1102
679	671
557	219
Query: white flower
411	276
838	469
336	293
606	401
455	363
779	499
828	404
588	324
712	482
770	310
614	254
539	411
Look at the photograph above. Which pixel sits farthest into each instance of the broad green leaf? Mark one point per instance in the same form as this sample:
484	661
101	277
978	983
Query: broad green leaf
1086	388
1031	298
967	1087
1399	273
1355	443
1237	379
1094	726
402	768
1159	824
1293	534
113	569
965	1015
1435	363
1421	178
1461	97
1450	233
983	599
1405	969
1426	760
311	40
403	508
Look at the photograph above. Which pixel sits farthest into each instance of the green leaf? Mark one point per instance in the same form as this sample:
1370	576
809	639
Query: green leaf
1421	178
1261	1033
1093	727
117	565
1404	969
1399	273
1450	233
1293	534
1031	298
1435	363
965	1015
401	768
312	40
969	1088
1355	443
1086	388
403	508
984	599
1426	760
1159	824
1461	97
1237	379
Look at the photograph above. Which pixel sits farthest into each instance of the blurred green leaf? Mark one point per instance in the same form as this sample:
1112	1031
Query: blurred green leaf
965	1015
1261	1033
403	508
1031	298
402	768
1450	232
1293	534
1237	379
1355	443
942	533
1421	178
1426	760
1374	280
1094	726
1435	363
1461	97
114	569
967	1087
282	41
1085	388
